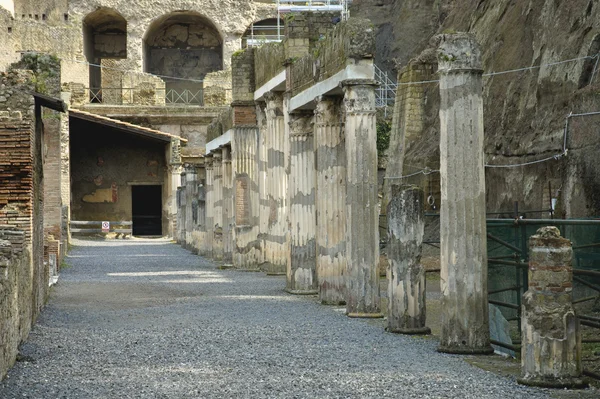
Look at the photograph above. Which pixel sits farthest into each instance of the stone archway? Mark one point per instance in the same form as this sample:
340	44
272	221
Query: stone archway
183	45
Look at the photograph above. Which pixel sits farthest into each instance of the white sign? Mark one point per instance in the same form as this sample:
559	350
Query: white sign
105	227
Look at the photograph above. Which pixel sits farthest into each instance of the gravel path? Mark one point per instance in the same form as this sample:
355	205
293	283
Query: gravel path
147	319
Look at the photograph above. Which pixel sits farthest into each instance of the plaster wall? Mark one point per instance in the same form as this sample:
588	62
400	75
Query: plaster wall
104	166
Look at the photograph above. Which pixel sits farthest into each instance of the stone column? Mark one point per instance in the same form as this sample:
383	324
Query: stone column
301	265
362	210
190	193
406	284
209	207
262	183
330	153
227	207
277	150
217	200
463	252
175	168
551	342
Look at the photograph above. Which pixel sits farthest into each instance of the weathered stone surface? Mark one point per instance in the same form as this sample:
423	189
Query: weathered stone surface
463	253
362	211
550	336
406	284
330	153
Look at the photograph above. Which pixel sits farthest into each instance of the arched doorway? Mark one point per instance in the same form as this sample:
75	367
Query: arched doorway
182	47
264	31
104	37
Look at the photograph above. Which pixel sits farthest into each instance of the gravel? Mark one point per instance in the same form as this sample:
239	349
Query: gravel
147	319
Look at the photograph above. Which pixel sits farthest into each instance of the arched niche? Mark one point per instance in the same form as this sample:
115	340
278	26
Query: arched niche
104	37
264	31
182	45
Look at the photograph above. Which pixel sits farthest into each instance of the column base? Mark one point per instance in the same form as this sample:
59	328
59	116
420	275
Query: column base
410	331
365	315
226	267
463	350
301	292
249	270
551	382
276	273
333	303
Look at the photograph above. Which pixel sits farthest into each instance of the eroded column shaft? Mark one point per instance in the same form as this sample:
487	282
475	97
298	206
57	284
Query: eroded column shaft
301	265
210	210
217	199
330	152
551	342
463	253
406	284
247	247
227	206
362	213
277	150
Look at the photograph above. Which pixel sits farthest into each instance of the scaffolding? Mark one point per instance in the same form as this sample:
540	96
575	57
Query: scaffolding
261	34
385	95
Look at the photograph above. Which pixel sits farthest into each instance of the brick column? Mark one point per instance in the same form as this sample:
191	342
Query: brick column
301	265
362	210
406	284
463	252
330	153
551	341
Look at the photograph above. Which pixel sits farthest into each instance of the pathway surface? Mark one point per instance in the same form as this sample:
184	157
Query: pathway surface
147	319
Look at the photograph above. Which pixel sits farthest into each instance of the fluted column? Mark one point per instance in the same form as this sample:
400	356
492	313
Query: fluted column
277	149
301	265
247	246
406	284
217	199
227	207
330	153
262	182
463	252
210	211
362	213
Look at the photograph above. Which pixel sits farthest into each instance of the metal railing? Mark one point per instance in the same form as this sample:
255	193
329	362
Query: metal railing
154	96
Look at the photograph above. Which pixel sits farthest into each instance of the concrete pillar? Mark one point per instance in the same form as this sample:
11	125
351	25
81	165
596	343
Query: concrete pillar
463	252
210	207
551	341
217	199
406	284
330	153
362	210
301	264
228	220
277	151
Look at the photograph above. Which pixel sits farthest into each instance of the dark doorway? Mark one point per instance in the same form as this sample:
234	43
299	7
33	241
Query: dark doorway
146	204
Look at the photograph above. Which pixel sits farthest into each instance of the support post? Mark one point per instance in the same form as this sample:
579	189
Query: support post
551	342
228	219
217	202
330	152
406	284
463	252
362	213
301	264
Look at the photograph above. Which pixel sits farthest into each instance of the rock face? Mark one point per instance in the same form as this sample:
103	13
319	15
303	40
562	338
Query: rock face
524	111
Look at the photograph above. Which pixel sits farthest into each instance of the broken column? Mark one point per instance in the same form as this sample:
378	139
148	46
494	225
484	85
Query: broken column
301	267
362	213
463	252
551	342
330	153
406	284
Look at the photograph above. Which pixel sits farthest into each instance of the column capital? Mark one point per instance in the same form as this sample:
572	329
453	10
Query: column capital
358	82
459	52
